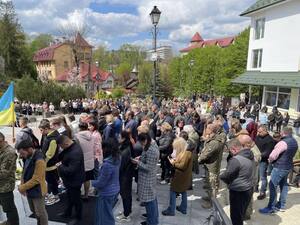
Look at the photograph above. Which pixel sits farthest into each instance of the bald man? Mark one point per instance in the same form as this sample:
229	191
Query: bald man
239	178
209	156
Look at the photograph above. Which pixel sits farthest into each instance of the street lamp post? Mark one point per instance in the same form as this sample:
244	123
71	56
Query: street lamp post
191	65
155	15
97	79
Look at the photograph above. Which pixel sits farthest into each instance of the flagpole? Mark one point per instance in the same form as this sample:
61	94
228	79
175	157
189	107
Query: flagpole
14	122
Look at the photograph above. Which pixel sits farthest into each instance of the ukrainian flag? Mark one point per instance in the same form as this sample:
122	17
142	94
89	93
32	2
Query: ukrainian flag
7	107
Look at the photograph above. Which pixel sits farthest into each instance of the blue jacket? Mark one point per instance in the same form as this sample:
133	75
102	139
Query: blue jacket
118	124
107	182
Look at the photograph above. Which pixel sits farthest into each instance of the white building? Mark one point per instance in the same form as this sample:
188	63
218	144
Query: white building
164	53
274	53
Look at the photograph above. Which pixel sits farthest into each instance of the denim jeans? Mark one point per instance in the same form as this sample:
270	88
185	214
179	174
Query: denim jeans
297	130
278	178
172	204
263	167
104	210
152	212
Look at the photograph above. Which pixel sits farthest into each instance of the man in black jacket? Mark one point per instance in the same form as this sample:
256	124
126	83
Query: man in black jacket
71	170
265	144
239	178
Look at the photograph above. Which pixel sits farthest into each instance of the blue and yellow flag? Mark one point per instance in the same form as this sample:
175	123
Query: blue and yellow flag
7	107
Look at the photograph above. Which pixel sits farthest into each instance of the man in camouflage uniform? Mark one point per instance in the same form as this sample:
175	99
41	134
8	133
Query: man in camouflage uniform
211	157
8	159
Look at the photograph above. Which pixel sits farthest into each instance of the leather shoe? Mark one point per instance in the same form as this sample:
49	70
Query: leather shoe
178	209
167	213
261	196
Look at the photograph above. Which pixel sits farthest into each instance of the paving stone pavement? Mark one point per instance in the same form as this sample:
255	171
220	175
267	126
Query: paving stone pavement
196	215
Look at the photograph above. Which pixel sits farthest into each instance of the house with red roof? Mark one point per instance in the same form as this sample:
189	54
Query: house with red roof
59	62
99	78
198	42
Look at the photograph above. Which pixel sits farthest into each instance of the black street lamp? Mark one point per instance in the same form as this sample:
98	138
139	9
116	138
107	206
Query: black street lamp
155	15
98	78
191	65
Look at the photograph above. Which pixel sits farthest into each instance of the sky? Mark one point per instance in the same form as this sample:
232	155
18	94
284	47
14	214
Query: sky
116	22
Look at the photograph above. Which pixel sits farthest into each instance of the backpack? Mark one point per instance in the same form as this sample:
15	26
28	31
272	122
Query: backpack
34	139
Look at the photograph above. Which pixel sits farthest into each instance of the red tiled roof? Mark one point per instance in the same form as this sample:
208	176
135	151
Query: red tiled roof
46	54
225	42
197	38
191	47
222	42
80	41
84	71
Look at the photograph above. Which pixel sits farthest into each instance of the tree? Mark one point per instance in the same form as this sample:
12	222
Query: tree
123	72
234	63
41	41
145	77
13	47
70	31
210	70
102	55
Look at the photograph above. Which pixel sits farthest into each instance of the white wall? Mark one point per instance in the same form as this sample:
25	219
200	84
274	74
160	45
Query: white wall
281	42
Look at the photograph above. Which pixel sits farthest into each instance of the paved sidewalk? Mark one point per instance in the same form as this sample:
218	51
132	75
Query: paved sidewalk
196	214
290	217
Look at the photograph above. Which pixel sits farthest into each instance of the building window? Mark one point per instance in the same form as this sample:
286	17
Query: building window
257	58
87	56
260	28
66	65
278	96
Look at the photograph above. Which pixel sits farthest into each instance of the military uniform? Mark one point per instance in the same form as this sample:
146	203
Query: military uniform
211	157
8	159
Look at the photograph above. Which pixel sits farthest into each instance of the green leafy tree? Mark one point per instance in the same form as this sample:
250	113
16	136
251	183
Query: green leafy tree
145	77
102	55
211	69
234	63
41	41
123	73
13	47
117	92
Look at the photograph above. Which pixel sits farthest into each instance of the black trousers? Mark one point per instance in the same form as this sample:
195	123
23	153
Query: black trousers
52	181
165	169
126	195
74	200
239	201
8	204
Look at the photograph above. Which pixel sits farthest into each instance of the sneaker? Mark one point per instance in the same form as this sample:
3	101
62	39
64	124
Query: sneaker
163	182
279	208
266	210
261	196
53	200
123	218
48	196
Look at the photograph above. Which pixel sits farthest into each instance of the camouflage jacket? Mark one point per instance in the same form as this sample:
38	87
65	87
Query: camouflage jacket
211	155
8	159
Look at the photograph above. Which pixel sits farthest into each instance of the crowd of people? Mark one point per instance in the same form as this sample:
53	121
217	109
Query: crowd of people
116	143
